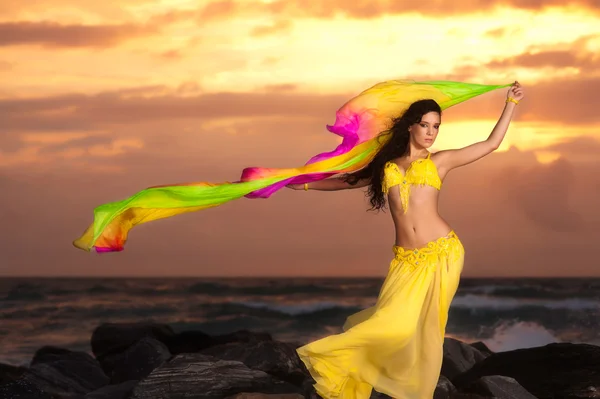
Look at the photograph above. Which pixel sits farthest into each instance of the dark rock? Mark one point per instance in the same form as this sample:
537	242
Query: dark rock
49	354
481	347
119	391
111	338
10	373
246	395
200	376
499	387
195	341
378	395
458	357
308	389
65	373
139	360
553	371
273	357
444	389
188	342
242	336
22	389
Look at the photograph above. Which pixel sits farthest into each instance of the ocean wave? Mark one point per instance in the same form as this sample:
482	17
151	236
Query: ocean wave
492	302
299	309
218	289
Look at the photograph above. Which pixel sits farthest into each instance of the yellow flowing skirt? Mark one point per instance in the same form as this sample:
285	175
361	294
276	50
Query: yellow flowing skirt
395	346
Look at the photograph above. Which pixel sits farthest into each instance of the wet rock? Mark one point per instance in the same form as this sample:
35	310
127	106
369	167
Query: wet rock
201	376
112	338
10	373
266	396
553	371
500	387
22	389
459	357
65	373
118	391
139	360
195	341
273	357
444	389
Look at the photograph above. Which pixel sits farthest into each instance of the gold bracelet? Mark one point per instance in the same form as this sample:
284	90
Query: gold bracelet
305	186
512	100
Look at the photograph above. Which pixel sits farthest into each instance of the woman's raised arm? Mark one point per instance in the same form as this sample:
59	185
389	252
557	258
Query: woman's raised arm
450	159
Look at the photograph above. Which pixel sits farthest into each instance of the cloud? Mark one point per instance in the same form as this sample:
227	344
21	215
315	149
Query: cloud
49	34
542	193
503	32
276	27
493	204
76	112
55	34
550	59
219	9
5	65
576	54
105	9
582	147
566	101
281	87
369	9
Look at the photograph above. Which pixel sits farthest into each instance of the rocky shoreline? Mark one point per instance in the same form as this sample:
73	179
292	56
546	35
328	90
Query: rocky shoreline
151	361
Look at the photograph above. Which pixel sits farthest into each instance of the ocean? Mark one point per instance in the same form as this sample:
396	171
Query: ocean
504	313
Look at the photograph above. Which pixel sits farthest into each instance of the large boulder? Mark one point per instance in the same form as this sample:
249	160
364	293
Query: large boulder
199	376
23	389
459	357
276	358
195	341
444	389
139	360
551	371
246	395
59	369
499	387
111	338
10	373
59	373
117	391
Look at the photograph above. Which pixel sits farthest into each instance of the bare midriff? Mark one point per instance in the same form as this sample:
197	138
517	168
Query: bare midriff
422	222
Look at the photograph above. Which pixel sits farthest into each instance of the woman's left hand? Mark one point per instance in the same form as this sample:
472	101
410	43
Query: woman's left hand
516	91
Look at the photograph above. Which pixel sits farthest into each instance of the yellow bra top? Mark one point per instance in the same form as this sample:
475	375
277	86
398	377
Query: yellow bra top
421	172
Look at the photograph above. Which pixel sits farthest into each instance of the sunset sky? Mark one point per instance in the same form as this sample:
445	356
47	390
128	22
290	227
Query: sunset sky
100	99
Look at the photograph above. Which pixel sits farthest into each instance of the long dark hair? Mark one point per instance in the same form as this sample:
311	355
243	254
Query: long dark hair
397	146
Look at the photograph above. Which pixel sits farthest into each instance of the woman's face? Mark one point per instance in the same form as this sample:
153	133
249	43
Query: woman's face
425	132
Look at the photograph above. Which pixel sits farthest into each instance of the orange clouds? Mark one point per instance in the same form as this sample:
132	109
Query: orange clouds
56	35
515	216
277	27
368	9
575	55
68	112
198	93
570	101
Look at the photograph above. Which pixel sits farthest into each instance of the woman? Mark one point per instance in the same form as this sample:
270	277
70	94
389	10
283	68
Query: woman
396	346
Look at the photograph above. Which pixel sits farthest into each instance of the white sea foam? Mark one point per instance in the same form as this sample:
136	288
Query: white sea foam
510	336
